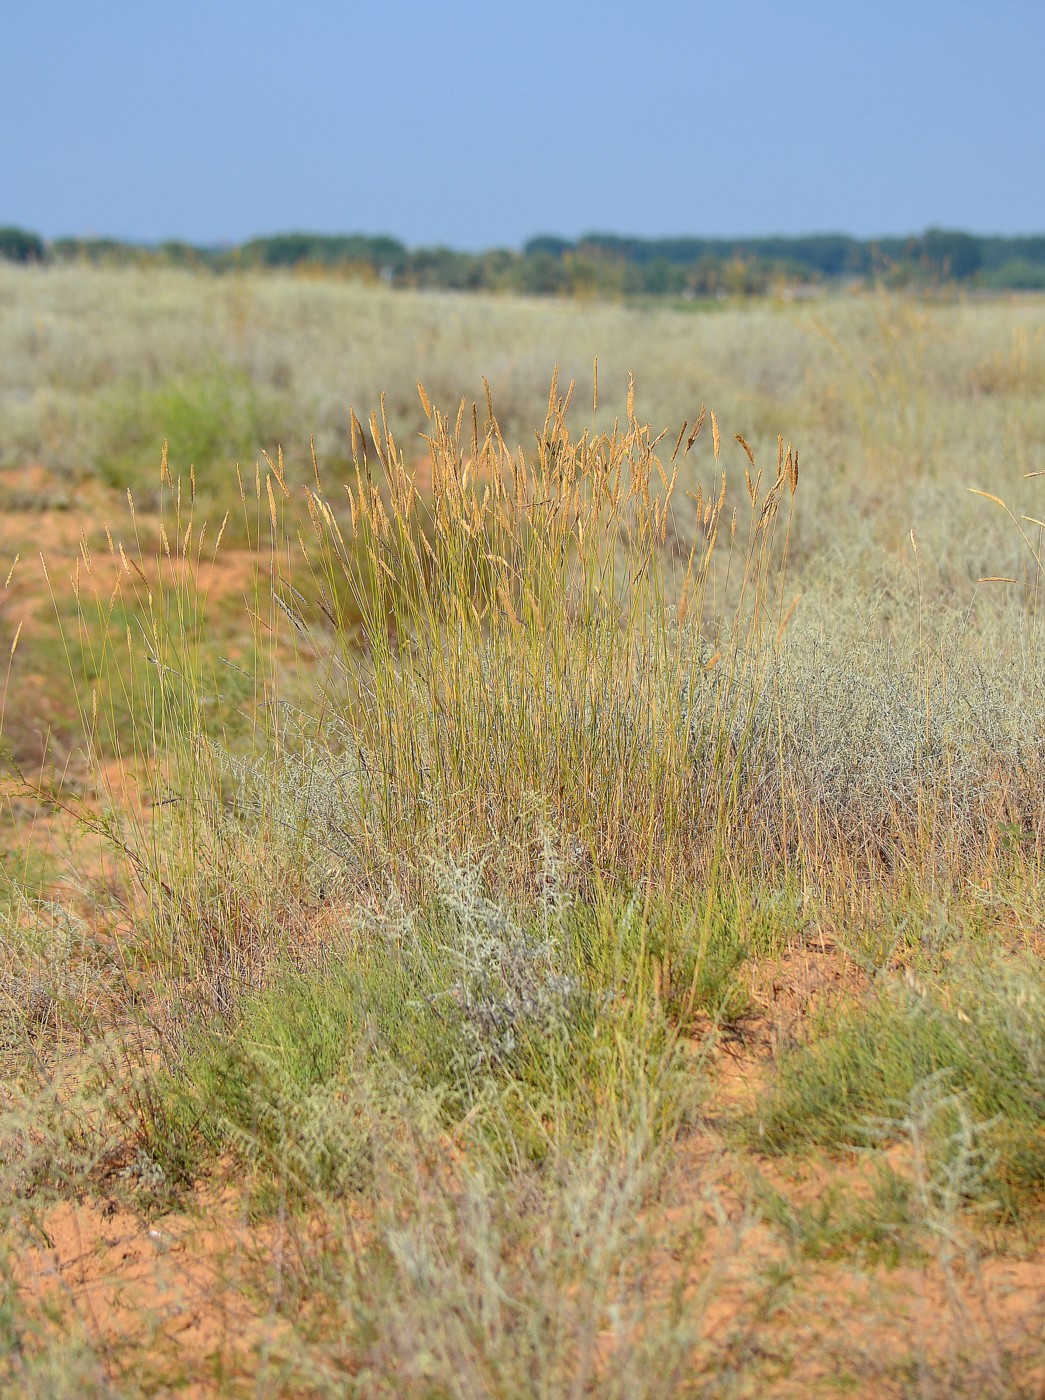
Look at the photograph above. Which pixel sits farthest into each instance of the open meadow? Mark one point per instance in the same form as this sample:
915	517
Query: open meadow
519	880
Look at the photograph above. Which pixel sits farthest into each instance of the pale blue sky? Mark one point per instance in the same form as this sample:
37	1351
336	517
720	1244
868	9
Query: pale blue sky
478	124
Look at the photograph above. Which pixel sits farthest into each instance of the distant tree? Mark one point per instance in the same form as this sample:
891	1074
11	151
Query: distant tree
1017	275
998	252
65	249
584	275
613	248
328	250
21	246
542	274
951	254
101	252
832	254
661	277
706	278
745	276
499	267
547	243
680	251
180	254
443	267
595	265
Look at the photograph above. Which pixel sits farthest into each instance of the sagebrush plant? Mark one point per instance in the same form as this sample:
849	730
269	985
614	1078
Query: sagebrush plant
516	1030
58	980
526	1286
507	979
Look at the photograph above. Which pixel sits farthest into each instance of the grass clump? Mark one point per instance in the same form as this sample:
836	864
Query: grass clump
515	1285
969	1047
840	1223
60	983
512	1030
43	1366
524	668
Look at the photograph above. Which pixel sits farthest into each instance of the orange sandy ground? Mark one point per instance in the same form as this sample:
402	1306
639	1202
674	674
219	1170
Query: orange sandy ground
193	1303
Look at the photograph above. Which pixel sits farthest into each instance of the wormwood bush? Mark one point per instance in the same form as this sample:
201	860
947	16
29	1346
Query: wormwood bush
524	1286
897	744
951	1158
508	984
57	978
887	760
306	796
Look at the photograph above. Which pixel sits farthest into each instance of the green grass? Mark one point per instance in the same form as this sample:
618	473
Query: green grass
956	1061
878	1227
211	422
543	1037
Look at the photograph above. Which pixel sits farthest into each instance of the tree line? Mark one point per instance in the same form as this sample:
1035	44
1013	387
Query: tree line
598	264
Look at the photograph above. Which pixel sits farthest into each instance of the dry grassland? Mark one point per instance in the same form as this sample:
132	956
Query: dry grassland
512	893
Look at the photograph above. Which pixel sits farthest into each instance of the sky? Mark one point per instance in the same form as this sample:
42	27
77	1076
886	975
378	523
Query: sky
478	124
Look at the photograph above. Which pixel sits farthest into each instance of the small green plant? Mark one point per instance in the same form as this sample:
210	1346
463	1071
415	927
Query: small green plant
209	422
512	1031
841	1224
978	1035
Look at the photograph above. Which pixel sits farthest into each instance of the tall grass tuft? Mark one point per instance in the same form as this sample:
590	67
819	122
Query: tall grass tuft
541	652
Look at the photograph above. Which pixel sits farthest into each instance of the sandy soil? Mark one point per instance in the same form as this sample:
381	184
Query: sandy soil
188	1303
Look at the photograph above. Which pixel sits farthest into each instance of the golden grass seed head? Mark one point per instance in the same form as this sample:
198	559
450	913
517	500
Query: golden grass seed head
682	433
744	444
272	504
696	427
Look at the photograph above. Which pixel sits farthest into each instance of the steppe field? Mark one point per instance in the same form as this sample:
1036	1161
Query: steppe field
528	885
